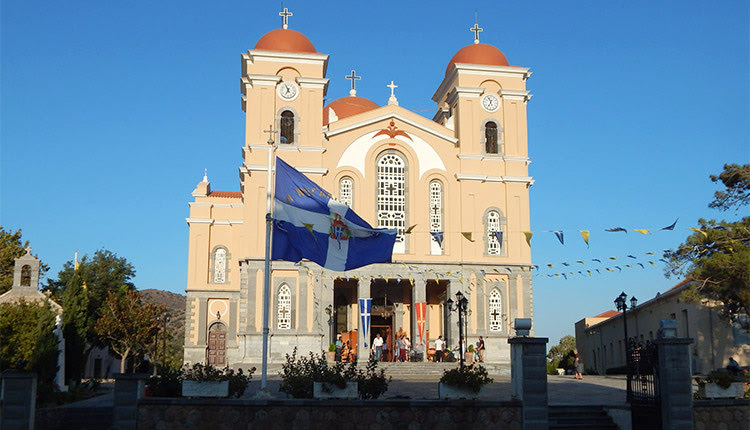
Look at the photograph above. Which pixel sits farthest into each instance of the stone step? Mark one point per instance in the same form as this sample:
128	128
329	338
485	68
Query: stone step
580	417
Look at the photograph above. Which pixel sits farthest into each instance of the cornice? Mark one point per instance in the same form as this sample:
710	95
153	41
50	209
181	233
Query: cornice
253	55
484	157
290	148
215	205
478	69
211	221
501	179
311	170
313	83
249	81
519	95
468	92
330	133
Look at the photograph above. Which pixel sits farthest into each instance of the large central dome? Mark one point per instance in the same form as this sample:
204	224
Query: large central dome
478	53
285	40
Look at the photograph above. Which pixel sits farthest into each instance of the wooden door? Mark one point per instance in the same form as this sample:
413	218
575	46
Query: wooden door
217	345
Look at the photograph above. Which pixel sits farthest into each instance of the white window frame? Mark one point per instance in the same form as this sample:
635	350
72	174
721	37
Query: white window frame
391	206
346	191
495	303
284	308
436	216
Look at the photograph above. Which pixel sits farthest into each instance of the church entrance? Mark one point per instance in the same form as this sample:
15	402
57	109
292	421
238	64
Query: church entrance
217	345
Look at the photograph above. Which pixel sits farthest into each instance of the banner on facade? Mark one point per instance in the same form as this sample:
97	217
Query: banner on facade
421	309
365	306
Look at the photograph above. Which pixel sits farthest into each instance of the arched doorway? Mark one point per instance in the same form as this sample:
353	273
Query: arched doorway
217	345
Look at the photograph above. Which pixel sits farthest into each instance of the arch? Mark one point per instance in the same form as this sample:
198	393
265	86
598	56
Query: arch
436	216
495	310
288	73
491	141
219	269
26	275
346	191
494	221
284	308
216	348
391	194
287	127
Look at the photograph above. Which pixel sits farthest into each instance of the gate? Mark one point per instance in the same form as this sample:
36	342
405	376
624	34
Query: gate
643	385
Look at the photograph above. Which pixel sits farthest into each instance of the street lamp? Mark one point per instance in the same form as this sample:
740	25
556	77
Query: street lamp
331	319
621	303
460	305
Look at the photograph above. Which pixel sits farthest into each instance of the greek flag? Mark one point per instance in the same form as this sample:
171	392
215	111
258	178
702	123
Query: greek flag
308	223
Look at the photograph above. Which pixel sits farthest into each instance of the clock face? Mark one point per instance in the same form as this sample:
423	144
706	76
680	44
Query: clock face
490	102
287	91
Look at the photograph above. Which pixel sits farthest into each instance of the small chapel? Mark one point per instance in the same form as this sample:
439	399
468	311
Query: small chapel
455	186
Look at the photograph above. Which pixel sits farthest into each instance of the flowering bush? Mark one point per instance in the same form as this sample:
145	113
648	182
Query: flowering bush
238	381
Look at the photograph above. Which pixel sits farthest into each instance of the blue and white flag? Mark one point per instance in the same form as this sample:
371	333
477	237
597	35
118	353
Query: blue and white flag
308	223
365	306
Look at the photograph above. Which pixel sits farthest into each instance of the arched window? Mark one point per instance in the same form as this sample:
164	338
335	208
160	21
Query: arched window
490	138
220	266
346	191
392	196
284	308
287	127
26	276
495	310
494	226
436	216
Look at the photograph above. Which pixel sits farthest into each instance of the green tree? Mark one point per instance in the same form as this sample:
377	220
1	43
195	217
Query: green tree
77	326
559	355
128	325
12	247
27	338
717	256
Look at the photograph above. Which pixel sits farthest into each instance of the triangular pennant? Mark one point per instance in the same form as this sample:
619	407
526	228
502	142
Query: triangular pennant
408	230
589	272
596	259
438	236
651	263
549	265
528	235
467	235
699	231
585	236
642	266
642	230
632	256
559	235
615	229
565	276
566	264
649	253
613	258
671	227
499	236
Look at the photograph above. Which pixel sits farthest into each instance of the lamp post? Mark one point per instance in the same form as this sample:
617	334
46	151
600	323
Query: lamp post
460	305
331	318
621	303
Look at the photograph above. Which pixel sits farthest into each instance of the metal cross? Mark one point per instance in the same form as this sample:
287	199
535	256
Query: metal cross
353	77
392	86
391	188
270	132
495	314
476	29
436	209
285	312
285	14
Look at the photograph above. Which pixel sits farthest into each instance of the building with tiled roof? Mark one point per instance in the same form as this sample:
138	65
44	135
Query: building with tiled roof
394	168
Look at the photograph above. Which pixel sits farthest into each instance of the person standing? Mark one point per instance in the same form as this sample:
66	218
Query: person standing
578	365
339	347
399	347
407	348
377	344
480	349
439	344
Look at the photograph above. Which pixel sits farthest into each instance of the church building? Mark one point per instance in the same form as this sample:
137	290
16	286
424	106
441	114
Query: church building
455	186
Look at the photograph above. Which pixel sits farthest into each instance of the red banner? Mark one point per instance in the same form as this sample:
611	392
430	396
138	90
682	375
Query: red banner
421	309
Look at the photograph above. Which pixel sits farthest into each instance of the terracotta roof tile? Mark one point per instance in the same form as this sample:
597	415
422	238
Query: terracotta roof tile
229	194
608	314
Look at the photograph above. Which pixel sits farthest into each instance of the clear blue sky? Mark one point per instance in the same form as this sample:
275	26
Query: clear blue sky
111	111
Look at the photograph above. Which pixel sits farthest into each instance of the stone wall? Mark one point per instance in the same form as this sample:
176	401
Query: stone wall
166	414
732	414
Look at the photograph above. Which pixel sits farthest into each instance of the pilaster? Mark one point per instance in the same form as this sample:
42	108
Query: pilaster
675	383
528	379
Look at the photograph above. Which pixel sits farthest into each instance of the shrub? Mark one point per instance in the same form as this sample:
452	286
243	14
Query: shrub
238	381
471	348
723	378
371	383
168	384
332	347
471	377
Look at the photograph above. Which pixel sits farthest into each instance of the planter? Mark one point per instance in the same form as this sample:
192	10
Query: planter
331	356
205	388
713	391
324	390
452	392
469	357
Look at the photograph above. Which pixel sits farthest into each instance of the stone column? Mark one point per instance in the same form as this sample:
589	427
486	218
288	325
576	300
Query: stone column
128	389
528	379
19	400
675	384
363	292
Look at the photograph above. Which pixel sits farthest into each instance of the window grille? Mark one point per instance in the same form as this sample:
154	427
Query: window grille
220	266
346	191
287	127
392	196
495	310
284	308
493	224
436	214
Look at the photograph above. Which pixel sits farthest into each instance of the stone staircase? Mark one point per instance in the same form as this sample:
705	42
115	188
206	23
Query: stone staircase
580	417
409	370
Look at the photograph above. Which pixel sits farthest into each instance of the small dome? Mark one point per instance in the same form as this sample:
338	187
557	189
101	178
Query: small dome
348	106
478	53
285	40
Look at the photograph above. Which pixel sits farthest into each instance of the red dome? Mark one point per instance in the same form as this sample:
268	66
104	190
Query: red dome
478	53
348	106
285	40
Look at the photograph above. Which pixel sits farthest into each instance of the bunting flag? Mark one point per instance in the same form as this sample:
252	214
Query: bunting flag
421	310
559	235
499	236
649	253
408	230
585	236
566	264
613	258
671	227
596	259
651	263
632	256
642	266
580	261
438	236
589	272
467	235
549	265
705	235
365	306
615	229
528	235
565	276
642	230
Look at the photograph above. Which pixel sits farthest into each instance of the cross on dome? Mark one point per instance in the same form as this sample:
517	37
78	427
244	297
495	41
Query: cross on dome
392	99
476	29
353	77
285	14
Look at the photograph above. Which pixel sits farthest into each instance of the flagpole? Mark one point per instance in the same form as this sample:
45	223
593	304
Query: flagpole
267	263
